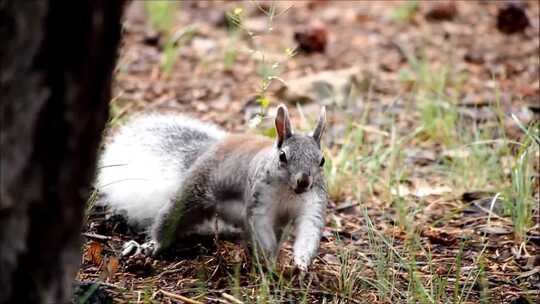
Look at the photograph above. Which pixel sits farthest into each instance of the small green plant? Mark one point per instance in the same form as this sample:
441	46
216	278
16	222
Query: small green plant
116	112
406	11
348	281
85	298
161	16
475	165
483	282
173	42
267	71
519	195
383	260
458	265
271	285
145	295
229	57
90	203
340	167
439	119
234	282
438	113
234	22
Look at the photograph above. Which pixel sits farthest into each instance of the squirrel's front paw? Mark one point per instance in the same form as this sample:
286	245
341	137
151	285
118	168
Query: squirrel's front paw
133	248
150	248
301	264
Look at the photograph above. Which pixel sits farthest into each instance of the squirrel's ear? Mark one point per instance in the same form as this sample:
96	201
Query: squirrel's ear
283	125
321	126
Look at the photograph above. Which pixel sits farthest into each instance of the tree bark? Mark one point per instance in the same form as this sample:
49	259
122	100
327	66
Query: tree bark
56	62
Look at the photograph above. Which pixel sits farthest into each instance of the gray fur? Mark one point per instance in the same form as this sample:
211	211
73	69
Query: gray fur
247	189
283	125
321	126
146	161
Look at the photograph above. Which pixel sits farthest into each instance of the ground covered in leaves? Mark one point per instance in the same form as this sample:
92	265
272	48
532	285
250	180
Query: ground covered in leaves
432	159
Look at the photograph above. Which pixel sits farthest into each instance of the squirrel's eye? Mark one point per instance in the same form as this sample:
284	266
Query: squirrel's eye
282	157
322	162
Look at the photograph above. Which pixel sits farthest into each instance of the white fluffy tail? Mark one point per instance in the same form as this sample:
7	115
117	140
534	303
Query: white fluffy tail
144	165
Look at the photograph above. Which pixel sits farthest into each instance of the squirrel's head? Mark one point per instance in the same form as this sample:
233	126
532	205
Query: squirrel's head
300	159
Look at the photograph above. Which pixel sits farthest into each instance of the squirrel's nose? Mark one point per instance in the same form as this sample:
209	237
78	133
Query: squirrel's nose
302	183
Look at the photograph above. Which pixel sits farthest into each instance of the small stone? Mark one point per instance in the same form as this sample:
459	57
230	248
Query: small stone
331	259
325	87
312	39
512	19
442	11
497	230
474	57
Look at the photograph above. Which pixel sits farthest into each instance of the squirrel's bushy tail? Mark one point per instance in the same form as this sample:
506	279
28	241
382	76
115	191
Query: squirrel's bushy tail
143	166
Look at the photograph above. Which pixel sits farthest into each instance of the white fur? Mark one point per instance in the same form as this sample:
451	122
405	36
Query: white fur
213	225
135	175
308	229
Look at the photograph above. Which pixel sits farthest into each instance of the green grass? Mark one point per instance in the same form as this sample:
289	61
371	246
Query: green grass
518	195
474	159
230	54
339	167
161	15
406	11
173	43
267	71
348	282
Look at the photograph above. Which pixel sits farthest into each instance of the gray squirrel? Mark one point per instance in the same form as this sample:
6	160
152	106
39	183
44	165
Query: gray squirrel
179	176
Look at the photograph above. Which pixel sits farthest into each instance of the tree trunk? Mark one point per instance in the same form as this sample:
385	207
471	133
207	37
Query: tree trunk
56	62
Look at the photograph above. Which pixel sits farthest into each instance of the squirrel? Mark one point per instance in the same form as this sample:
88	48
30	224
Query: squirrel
178	176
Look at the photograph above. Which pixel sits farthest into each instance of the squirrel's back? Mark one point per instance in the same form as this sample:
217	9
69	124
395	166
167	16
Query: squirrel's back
145	163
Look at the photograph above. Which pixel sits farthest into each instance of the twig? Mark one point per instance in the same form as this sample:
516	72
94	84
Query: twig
491	208
231	298
529	273
372	129
96	236
171	269
169	272
106	284
327	293
490	212
179	297
217	300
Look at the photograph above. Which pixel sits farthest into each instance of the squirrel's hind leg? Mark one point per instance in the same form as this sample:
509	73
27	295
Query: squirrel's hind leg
192	206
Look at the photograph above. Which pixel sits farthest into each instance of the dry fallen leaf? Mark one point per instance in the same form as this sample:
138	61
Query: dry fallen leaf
93	253
109	268
112	265
439	236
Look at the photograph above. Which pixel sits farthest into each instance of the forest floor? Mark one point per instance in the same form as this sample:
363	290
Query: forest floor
432	165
